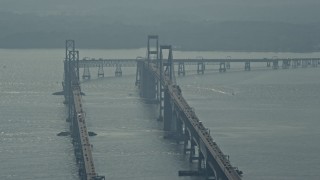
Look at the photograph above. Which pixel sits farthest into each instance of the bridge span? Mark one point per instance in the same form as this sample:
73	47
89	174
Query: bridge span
199	63
76	116
180	121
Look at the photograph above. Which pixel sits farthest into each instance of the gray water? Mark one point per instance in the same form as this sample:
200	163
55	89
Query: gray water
266	120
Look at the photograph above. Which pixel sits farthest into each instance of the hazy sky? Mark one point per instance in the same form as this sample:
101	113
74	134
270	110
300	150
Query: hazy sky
143	11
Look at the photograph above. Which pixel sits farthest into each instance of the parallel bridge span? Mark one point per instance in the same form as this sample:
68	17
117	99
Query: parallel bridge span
223	64
76	116
189	61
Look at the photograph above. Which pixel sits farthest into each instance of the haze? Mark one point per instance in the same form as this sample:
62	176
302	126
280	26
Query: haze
239	25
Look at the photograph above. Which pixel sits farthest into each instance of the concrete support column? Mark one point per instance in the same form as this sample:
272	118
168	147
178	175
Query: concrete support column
168	114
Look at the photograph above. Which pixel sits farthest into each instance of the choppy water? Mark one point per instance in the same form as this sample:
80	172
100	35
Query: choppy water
267	121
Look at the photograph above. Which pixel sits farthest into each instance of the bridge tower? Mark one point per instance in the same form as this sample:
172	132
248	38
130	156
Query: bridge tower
69	46
153	52
144	79
71	77
153	56
166	72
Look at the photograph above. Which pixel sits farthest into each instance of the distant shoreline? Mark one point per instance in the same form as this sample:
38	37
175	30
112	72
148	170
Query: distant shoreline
175	49
144	48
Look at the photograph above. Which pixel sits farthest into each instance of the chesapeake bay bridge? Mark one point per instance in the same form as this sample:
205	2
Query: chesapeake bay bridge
155	78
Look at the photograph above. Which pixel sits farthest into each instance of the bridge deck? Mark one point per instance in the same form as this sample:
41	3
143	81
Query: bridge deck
213	148
132	62
84	137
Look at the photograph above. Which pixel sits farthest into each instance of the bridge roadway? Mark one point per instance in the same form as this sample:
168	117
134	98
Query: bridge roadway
212	148
84	137
132	62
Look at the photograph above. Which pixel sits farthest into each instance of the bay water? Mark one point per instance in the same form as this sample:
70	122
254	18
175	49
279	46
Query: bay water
266	120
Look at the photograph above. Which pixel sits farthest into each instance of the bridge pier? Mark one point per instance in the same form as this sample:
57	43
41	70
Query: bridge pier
147	84
299	62
201	165
100	71
118	72
192	151
314	63
286	64
304	63
186	140
275	64
294	64
200	67
179	134
268	64
228	65
222	67
86	73
181	69
139	72
168	113
247	66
